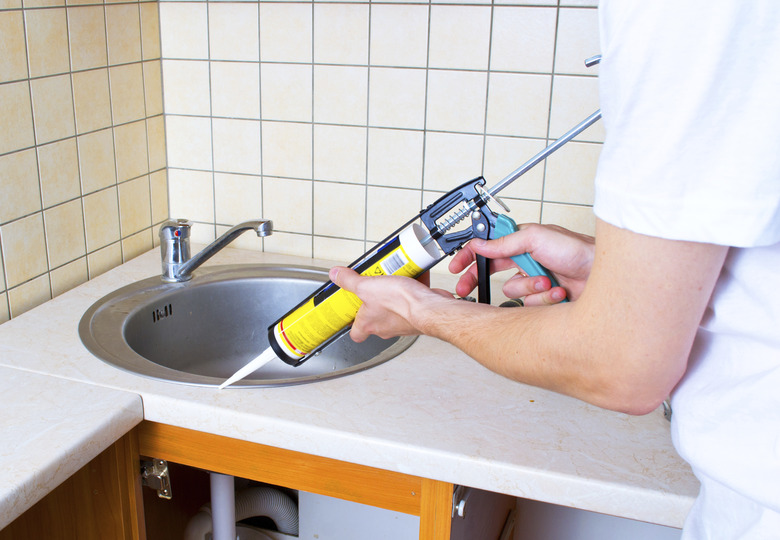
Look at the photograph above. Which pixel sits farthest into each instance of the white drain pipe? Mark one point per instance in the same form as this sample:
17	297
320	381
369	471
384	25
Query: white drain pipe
223	507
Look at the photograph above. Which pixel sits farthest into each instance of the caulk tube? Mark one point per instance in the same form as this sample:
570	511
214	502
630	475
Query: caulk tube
330	310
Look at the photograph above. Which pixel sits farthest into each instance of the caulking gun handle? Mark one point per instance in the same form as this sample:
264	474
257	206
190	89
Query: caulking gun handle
506	225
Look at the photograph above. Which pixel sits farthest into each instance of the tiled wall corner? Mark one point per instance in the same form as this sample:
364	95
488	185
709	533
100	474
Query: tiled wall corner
339	120
82	149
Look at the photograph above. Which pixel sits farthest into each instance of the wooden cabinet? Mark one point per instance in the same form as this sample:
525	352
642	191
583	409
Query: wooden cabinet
429	499
104	500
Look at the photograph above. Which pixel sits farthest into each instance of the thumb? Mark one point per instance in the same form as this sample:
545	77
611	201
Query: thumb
506	246
344	277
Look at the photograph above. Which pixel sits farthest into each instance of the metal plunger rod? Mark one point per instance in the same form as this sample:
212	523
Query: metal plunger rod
525	167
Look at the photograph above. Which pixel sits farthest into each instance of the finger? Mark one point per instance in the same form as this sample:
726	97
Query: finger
520	285
344	277
547	298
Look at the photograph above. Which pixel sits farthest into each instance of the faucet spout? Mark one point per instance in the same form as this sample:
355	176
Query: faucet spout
175	246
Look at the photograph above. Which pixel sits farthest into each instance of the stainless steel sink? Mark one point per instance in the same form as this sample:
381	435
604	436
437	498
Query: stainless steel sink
201	331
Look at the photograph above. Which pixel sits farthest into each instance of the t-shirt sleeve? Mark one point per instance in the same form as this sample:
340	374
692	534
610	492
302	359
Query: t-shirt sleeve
690	95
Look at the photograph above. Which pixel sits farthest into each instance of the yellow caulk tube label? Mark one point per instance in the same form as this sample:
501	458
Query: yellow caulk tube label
331	309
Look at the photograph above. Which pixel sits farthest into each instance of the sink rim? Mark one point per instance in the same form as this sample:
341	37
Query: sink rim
108	343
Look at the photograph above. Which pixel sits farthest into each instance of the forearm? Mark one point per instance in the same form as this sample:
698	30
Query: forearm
623	345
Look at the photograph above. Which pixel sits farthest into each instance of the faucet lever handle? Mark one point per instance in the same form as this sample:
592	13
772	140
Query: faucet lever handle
174	246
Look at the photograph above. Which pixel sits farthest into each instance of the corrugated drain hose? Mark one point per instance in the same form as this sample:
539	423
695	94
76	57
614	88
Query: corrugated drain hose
251	502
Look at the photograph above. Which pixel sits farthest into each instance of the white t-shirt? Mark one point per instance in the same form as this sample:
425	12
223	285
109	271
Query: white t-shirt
690	94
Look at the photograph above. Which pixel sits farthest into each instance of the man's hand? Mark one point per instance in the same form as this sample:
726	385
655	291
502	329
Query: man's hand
390	303
567	254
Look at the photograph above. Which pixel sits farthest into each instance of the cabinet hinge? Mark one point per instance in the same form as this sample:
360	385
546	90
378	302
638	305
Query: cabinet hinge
154	474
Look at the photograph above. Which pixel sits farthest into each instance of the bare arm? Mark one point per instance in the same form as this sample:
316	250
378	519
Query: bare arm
622	345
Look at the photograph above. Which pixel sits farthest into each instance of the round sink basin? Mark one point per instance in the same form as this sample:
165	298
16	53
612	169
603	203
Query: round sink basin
202	331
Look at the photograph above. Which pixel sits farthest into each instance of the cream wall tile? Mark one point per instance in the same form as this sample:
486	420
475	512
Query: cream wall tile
29	295
135	211
10	4
574	98
286	92
101	218
184	30
15	111
340	94
155	136
20	194
136	245
570	174
188	142
524	211
131	150
397	98
578	39
150	30
43	3
87	33
186	87
233	31
192	195
237	198
5	313
127	93
451	159
24	249
53	108
459	37
289	244
285	32
104	260
456	101
47	41
341	33
534	2
339	210
69	276
236	145
388	208
153	91
505	154
338	249
13	50
399	35
523	39
576	218
340	153
92	100
2	277
235	89
287	149
96	160
158	184
59	172
518	104
288	203
395	157
123	28
65	239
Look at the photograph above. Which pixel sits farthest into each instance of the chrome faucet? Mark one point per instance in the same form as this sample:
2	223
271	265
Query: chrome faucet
177	265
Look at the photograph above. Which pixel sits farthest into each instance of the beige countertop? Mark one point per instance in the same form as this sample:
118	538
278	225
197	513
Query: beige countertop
431	412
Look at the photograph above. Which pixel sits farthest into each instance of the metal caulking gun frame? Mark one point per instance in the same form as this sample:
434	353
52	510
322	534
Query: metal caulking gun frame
470	199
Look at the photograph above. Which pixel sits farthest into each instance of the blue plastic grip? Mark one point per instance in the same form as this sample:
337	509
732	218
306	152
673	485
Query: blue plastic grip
506	225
